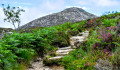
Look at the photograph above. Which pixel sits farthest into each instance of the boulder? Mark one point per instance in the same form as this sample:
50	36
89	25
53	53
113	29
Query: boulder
103	65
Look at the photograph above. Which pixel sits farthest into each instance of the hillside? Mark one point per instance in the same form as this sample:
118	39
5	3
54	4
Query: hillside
73	14
99	51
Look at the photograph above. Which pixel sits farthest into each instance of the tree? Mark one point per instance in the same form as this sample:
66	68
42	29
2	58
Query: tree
12	15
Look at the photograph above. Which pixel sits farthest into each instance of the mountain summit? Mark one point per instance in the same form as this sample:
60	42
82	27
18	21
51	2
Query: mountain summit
72	14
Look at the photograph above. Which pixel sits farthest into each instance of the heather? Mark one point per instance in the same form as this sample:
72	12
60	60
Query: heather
102	43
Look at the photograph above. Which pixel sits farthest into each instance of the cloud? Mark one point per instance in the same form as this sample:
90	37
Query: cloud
25	3
81	2
99	3
106	3
18	3
31	14
53	4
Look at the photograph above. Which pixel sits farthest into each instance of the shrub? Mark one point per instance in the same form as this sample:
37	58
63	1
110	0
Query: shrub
109	22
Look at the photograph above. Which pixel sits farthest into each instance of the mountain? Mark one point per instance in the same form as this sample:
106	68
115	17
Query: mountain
72	14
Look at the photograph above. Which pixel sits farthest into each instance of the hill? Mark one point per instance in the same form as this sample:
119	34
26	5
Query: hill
73	14
100	50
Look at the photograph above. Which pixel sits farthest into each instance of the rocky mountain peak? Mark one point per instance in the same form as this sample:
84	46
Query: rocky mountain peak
72	14
73	9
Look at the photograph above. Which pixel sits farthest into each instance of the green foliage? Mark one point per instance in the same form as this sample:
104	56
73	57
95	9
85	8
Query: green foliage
69	61
14	51
109	22
12	15
21	47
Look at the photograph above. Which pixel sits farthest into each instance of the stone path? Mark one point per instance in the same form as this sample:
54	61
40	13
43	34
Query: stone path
61	52
38	65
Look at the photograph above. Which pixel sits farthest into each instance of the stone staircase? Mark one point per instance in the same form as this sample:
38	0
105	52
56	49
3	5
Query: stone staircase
60	53
74	43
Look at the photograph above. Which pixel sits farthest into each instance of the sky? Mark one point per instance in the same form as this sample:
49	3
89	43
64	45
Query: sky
37	8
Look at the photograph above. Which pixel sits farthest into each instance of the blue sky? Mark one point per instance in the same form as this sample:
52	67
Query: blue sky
38	8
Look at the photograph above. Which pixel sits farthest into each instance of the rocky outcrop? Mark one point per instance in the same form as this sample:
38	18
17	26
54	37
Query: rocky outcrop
73	14
2	35
103	65
5	30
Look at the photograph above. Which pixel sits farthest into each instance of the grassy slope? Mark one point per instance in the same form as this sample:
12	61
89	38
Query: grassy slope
101	44
21	47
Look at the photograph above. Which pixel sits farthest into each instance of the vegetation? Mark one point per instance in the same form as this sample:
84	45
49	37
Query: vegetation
20	48
101	44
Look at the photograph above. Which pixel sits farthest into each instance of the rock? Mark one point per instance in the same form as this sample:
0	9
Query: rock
73	14
9	32
63	51
52	60
2	34
62	54
64	48
85	34
75	41
103	65
55	58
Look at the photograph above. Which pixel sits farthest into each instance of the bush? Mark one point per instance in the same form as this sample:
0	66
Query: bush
109	22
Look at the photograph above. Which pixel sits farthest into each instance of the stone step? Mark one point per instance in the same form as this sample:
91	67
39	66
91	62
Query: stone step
63	51
56	58
85	35
64	48
86	31
77	37
62	54
80	40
